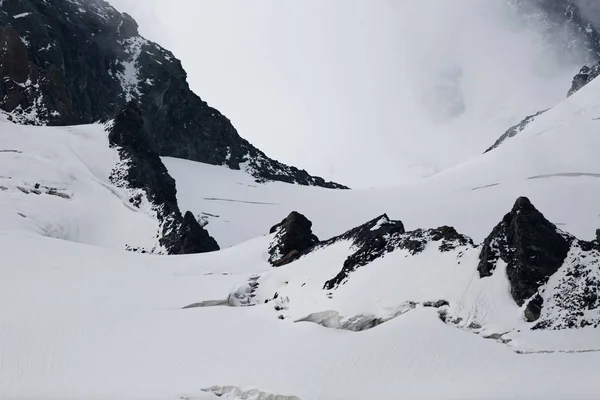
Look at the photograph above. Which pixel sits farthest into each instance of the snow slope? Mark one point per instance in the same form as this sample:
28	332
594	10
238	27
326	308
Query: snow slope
74	162
553	161
81	318
87	322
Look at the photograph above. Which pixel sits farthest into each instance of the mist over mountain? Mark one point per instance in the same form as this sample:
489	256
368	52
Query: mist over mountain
409	88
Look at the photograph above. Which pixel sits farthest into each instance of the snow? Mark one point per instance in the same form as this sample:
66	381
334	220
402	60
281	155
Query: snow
75	161
86	322
82	318
129	76
21	15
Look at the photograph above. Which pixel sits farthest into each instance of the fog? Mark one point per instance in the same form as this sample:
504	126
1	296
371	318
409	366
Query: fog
369	92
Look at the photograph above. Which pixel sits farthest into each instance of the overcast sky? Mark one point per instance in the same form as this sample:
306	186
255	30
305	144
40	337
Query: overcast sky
347	88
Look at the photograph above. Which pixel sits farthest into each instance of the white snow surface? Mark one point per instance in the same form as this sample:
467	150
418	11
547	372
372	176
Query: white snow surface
82	319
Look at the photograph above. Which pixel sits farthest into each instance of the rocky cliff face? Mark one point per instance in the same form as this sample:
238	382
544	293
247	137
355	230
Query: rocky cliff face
573	26
141	172
585	76
66	62
533	249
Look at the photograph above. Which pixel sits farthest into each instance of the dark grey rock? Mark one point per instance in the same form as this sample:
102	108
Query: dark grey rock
293	236
534	308
515	130
75	62
530	245
585	76
436	304
381	236
57	193
574	299
141	170
494	336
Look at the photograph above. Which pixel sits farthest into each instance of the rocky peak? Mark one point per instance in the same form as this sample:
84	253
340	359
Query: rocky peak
531	246
141	172
75	62
293	236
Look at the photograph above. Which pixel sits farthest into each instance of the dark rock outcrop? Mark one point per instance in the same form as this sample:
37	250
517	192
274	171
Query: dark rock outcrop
530	245
293	236
585	76
574	300
381	236
74	62
515	130
141	171
572	27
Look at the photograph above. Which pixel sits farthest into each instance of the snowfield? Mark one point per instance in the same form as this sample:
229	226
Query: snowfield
80	318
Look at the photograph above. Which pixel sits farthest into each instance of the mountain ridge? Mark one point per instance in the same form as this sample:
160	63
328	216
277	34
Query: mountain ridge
77	62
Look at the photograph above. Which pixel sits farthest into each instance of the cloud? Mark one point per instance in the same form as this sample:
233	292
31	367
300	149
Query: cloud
355	90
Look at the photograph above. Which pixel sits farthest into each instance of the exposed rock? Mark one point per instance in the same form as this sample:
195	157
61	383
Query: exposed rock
194	238
74	62
530	245
57	193
534	308
585	76
494	336
436	304
380	236
573	299
293	236
515	130
141	171
571	27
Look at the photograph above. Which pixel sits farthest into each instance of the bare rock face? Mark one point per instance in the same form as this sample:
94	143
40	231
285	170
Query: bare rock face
293	236
381	236
80	61
515	130
141	171
585	76
570	26
533	249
